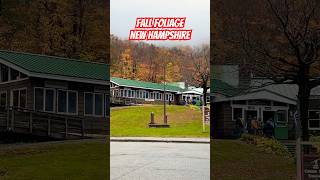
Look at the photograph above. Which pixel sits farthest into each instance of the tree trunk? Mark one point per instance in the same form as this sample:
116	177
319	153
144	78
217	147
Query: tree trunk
303	97
0	7
205	88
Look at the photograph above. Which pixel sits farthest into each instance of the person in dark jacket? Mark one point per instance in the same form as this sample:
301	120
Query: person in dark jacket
268	129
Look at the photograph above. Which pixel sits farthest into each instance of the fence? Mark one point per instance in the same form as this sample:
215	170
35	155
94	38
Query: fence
22	120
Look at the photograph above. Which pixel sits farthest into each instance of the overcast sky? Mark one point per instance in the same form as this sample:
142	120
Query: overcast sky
124	13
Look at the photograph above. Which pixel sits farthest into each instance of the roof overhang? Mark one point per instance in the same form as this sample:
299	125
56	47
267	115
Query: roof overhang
192	92
53	76
259	95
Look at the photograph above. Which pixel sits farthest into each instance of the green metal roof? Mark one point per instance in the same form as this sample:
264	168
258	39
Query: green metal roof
144	84
50	65
218	86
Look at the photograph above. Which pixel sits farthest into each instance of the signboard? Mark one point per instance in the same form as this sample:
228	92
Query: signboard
311	166
206	115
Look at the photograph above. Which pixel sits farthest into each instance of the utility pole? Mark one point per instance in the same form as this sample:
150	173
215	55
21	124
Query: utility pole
298	141
164	94
203	115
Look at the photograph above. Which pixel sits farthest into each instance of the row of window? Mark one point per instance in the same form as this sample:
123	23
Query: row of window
67	102
141	94
60	101
18	98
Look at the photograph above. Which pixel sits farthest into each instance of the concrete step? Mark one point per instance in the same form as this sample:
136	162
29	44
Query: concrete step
291	146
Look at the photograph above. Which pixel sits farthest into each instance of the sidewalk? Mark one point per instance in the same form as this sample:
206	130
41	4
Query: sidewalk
159	139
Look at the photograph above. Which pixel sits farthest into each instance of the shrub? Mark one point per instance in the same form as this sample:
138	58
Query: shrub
315	142
268	145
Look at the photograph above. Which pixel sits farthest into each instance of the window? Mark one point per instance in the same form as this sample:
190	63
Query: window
38	100
98	104
314	119
167	97
93	104
49	100
131	93
67	101
44	99
88	99
72	102
281	116
140	94
62	101
4	73
19	98
237	113
14	74
3	99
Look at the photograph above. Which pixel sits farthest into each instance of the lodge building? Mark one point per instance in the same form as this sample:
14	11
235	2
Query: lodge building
126	91
55	96
277	102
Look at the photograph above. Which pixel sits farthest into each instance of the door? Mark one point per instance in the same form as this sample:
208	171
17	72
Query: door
281	128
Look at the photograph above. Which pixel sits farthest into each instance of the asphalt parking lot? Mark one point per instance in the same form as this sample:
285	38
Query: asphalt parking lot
159	160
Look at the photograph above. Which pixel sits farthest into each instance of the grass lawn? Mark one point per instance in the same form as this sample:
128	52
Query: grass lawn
83	159
232	159
185	121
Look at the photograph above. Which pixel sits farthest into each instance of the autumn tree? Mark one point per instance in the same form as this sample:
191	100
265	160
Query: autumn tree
74	29
126	65
201	68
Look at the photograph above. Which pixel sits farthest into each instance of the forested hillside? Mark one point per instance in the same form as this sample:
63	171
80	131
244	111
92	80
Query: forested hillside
74	28
143	61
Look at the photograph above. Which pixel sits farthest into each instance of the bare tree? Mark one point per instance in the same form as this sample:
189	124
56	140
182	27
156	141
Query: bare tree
285	47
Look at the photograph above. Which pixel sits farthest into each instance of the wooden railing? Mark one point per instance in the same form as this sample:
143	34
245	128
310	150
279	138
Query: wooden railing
23	120
123	100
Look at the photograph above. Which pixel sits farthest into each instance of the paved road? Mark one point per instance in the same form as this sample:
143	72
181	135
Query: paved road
153	161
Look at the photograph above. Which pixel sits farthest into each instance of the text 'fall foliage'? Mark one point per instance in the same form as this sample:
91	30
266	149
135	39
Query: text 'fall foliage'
160	28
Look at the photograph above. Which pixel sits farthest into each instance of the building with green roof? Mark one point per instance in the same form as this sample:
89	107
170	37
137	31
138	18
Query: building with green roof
56	87
126	91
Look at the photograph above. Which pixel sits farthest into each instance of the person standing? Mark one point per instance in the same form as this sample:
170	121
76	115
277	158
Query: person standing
254	125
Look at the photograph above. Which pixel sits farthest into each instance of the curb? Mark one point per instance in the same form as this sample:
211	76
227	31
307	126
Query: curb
160	140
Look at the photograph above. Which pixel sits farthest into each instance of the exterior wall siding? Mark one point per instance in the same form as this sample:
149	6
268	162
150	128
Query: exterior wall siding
176	97
93	124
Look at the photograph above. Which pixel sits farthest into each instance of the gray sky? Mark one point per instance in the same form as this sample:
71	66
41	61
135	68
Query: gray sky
124	13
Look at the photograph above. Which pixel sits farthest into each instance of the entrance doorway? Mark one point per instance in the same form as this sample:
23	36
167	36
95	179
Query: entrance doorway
249	116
